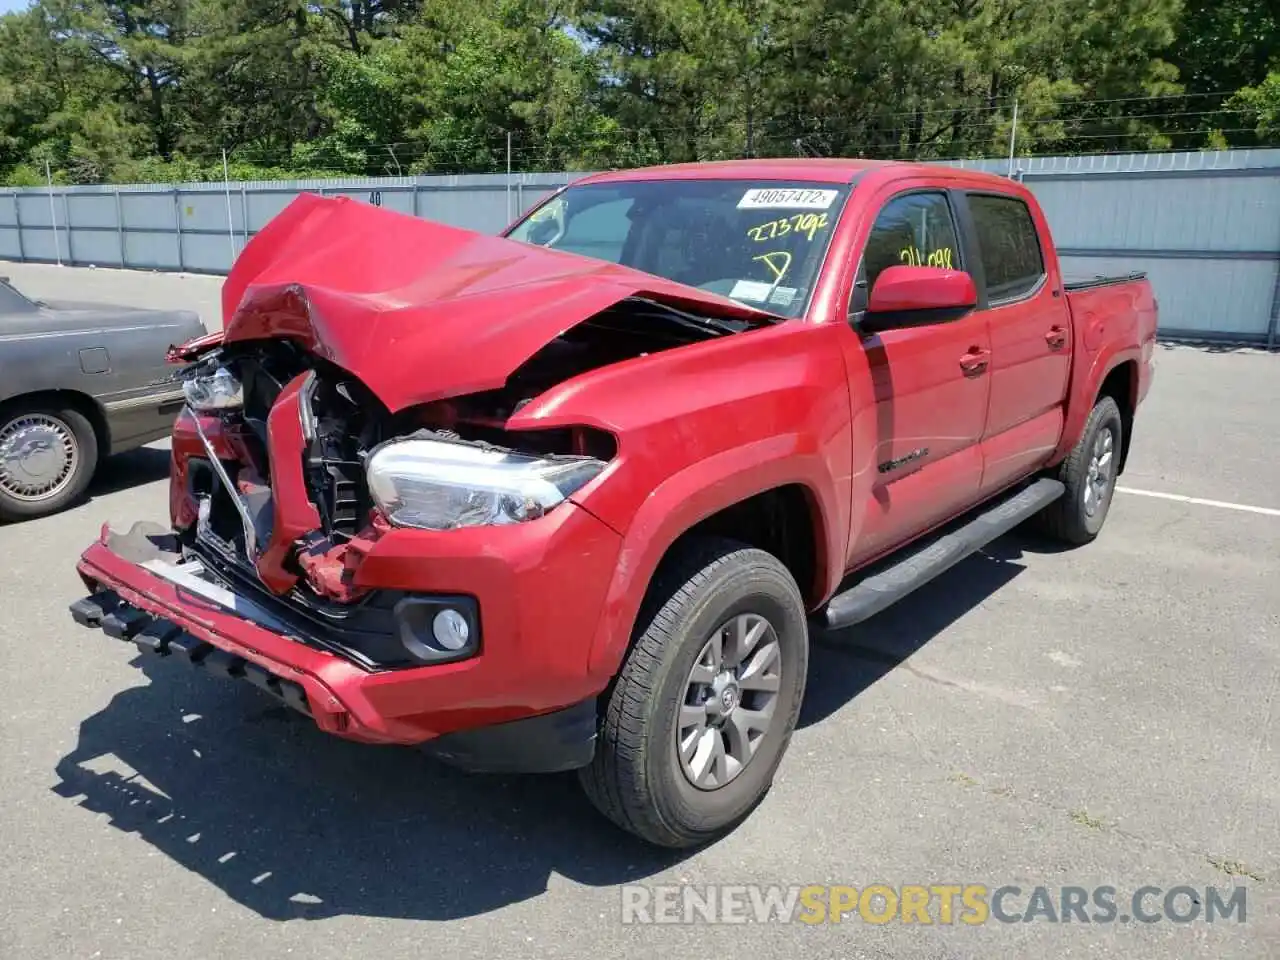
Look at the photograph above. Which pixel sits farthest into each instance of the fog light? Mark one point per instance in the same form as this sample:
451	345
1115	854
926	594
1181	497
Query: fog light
450	629
439	629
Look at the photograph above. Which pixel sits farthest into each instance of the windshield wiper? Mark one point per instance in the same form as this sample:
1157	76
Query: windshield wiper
702	322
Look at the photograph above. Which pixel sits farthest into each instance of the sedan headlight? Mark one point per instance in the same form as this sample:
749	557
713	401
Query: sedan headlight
438	485
211	392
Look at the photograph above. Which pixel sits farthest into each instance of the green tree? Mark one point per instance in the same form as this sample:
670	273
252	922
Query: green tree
140	89
470	75
685	76
139	43
59	108
1224	45
359	21
1261	104
253	79
875	77
1223	51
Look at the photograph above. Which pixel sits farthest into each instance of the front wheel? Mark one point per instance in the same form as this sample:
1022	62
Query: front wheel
707	698
1089	474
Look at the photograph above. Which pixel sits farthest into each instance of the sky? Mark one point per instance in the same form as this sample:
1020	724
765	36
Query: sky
6	6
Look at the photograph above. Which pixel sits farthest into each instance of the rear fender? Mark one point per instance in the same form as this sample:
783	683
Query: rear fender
1084	395
1111	326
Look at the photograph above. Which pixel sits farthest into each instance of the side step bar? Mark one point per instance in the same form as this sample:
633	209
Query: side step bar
921	564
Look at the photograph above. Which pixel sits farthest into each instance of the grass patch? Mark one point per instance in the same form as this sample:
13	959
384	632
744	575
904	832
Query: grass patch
1234	868
1082	817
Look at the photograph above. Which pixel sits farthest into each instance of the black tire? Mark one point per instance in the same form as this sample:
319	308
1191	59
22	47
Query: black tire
1069	519
637	778
85	441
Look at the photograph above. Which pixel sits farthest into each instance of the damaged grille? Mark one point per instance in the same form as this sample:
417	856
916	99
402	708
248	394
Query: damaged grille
341	421
365	632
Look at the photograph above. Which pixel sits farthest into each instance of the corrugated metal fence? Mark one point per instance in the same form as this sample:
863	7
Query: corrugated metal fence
200	227
1204	226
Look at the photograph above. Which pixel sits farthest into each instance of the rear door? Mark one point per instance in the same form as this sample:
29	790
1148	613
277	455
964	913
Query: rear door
929	387
1029	324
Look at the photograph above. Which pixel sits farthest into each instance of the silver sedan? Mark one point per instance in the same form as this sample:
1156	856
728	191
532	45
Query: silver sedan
78	382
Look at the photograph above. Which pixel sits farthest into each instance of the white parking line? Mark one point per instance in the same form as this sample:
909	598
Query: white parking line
1199	501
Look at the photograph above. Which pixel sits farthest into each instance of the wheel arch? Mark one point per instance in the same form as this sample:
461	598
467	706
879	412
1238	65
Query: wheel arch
1115	375
766	505
1121	385
53	400
784	521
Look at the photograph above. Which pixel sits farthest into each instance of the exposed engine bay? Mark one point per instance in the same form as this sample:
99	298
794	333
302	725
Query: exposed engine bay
343	423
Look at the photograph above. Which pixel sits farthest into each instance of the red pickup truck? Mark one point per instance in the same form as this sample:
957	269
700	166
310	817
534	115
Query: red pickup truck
576	497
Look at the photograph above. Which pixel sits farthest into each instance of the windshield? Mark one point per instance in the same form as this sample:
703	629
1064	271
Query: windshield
760	243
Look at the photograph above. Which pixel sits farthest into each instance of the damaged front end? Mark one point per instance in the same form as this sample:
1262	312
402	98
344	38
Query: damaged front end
290	469
348	484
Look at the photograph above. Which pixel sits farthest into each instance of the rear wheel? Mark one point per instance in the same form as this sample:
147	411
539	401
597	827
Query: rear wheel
1089	474
707	699
47	457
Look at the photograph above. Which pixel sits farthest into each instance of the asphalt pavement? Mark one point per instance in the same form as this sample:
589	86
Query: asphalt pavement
1036	717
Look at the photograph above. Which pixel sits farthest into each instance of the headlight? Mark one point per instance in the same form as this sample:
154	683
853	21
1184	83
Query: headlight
437	485
209	392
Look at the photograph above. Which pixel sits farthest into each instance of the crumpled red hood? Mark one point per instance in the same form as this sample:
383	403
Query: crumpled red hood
418	310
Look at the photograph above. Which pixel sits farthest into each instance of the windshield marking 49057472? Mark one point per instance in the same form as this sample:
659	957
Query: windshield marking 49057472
787	198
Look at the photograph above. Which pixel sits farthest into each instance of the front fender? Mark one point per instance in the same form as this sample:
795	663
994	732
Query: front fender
695	493
700	428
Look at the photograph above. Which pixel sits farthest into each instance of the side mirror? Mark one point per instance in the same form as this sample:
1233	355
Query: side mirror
906	296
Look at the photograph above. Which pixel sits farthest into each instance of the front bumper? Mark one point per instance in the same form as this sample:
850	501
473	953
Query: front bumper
539	609
546	743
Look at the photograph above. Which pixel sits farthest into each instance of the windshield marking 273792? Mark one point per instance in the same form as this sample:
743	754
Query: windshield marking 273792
807	224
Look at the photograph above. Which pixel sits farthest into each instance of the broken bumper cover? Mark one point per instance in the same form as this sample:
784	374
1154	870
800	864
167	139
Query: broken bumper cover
524	703
547	743
156	635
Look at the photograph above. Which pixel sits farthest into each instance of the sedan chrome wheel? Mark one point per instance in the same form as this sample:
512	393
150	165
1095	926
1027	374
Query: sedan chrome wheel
38	457
1097	485
729	701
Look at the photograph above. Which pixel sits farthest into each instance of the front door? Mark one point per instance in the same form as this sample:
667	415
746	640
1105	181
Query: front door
920	395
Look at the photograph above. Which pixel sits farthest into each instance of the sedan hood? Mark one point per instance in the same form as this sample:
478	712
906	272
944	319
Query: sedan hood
418	310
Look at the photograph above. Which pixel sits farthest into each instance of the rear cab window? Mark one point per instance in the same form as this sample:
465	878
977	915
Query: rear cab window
1008	247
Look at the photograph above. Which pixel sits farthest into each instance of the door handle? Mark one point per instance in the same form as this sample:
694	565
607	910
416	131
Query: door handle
1056	338
974	363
